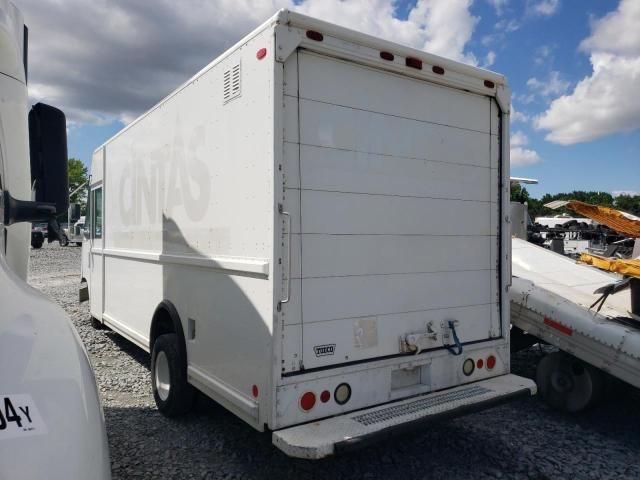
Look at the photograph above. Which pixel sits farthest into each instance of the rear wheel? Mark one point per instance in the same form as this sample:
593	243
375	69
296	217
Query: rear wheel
64	241
567	383
37	245
171	391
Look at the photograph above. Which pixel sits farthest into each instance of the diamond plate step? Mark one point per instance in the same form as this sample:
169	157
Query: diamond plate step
324	437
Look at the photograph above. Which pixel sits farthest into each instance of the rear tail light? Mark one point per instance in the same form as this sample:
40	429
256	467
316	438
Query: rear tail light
313	35
414	63
342	393
307	401
480	363
325	396
491	362
468	366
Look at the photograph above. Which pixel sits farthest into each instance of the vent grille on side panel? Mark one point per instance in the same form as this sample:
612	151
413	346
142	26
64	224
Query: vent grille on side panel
231	83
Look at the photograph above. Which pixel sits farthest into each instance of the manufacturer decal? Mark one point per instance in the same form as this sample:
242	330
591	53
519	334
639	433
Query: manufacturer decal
19	417
324	350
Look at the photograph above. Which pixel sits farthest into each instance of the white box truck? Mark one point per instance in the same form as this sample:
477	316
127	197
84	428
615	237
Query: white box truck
51	420
313	228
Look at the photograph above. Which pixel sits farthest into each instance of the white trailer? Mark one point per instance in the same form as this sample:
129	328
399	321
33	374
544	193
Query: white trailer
555	299
313	228
51	421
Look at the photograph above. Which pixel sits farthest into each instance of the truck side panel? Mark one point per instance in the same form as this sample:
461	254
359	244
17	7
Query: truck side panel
189	219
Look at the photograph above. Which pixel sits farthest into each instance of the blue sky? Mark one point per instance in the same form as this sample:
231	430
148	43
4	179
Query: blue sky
538	48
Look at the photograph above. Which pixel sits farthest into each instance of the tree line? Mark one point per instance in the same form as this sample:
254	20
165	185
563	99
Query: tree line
626	203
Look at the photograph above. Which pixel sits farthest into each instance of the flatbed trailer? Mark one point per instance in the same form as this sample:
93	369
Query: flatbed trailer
552	299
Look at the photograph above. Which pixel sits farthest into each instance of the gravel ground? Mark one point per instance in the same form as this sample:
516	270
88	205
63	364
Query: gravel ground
523	439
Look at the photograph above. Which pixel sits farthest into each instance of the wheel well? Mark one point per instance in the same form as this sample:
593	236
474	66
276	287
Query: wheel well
166	320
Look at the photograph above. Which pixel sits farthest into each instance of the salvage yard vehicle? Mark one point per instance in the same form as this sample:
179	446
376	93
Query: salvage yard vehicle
312	232
51	421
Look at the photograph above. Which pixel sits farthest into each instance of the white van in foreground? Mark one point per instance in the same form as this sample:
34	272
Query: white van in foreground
51	421
313	228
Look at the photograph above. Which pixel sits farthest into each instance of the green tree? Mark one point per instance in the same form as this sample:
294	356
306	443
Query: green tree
78	175
628	203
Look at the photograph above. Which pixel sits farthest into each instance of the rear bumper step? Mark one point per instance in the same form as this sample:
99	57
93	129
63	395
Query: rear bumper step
337	434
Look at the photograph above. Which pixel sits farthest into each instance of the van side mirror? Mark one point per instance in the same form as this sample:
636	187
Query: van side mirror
48	152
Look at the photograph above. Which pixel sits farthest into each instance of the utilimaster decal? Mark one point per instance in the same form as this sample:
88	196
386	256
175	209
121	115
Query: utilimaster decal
324	350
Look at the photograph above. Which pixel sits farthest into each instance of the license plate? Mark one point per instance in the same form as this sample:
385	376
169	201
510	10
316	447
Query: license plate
19	417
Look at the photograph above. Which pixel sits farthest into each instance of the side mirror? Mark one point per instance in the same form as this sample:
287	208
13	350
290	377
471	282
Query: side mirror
48	152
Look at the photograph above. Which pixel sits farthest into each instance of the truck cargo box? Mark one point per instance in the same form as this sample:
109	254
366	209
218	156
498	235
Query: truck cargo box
317	219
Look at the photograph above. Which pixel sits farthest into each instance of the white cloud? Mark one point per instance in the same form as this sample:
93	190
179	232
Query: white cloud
522	157
508	25
519	139
554	85
630	193
489	59
543	54
498	5
545	7
115	59
518	116
604	102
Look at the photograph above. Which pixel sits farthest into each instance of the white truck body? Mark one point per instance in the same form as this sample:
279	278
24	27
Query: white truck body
51	421
316	213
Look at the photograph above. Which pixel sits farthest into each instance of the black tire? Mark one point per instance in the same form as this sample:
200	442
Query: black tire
568	384
97	324
37	245
64	241
178	398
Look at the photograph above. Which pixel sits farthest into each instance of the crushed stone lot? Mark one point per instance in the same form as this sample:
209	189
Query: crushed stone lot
520	440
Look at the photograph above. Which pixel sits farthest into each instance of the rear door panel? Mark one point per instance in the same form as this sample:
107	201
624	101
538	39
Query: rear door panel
392	188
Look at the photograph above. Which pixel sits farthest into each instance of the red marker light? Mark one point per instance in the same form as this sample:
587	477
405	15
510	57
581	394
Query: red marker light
313	35
254	391
491	362
307	401
480	363
437	69
489	84
325	396
414	63
387	56
260	54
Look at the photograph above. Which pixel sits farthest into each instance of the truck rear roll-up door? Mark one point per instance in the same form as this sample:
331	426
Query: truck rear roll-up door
393	186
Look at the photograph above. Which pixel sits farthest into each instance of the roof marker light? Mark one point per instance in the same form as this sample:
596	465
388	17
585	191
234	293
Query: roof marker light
260	54
387	56
414	63
437	69
313	35
489	84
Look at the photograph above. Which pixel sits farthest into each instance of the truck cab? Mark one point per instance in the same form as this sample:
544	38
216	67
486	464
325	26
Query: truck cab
51	420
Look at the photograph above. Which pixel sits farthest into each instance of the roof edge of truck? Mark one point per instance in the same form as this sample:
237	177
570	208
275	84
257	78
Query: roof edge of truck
288	17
